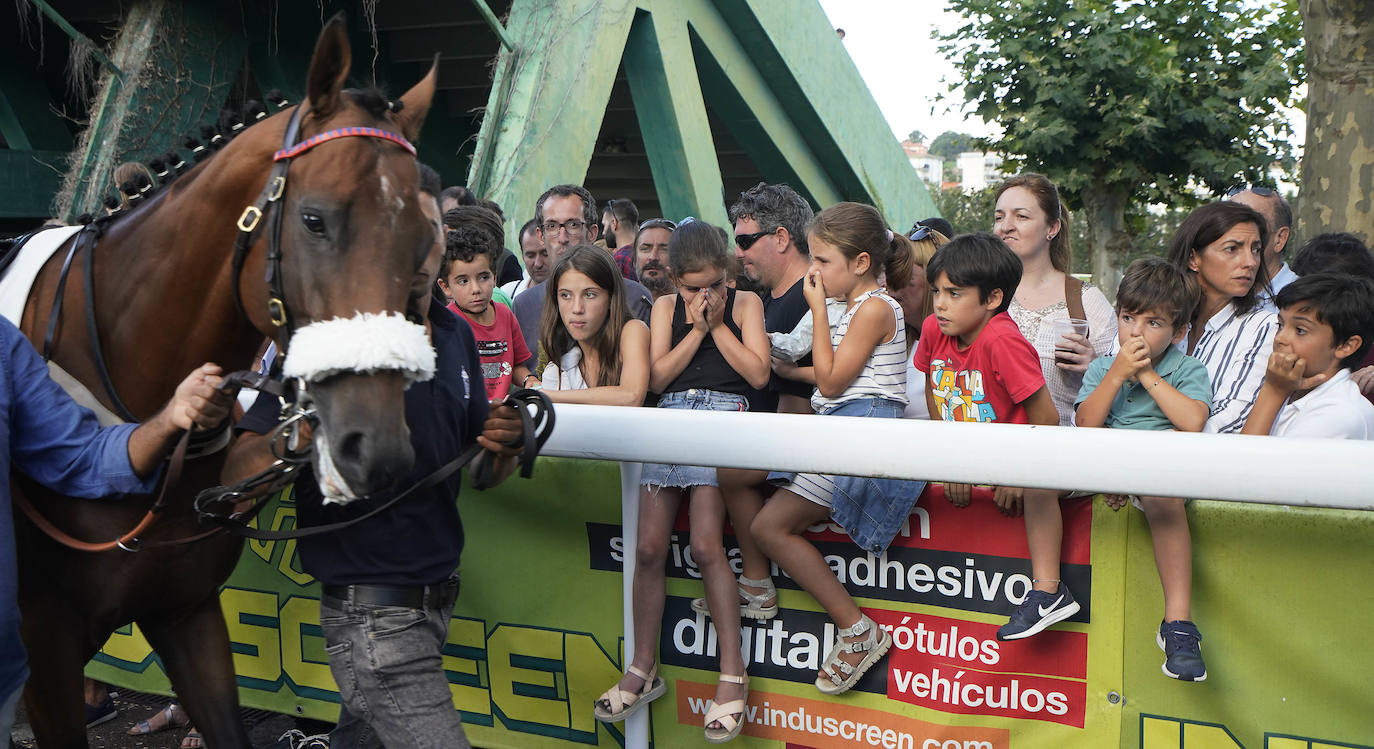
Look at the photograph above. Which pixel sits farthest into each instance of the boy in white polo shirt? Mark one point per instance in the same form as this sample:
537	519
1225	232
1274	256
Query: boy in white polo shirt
1326	325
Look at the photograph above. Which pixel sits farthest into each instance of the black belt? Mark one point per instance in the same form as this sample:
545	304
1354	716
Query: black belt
405	596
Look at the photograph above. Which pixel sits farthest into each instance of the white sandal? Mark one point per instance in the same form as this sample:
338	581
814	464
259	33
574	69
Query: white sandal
874	646
729	714
754	606
624	703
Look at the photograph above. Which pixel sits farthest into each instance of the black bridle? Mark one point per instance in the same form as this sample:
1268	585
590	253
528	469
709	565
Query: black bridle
273	192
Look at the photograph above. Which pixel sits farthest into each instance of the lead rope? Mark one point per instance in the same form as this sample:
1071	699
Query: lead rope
216	505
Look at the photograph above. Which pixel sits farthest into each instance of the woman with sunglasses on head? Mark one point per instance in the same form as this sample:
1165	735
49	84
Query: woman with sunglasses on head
1031	218
598	351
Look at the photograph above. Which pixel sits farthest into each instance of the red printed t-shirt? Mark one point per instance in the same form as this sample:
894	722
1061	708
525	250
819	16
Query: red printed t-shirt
989	380
500	345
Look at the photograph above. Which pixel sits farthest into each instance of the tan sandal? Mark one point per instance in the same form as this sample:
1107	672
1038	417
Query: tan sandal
729	714
838	676
624	703
757	606
169	717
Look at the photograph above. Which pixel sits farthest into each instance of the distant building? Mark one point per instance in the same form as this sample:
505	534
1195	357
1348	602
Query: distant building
930	168
978	170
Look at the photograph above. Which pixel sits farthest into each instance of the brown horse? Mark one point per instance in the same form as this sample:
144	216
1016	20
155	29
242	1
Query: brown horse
351	237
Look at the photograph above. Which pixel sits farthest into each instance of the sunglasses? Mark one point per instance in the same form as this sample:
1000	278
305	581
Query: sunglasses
658	223
745	241
1263	191
919	232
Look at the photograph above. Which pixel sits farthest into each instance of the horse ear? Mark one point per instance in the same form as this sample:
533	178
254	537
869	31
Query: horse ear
417	101
328	67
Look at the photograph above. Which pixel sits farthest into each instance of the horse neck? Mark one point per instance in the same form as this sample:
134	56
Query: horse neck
164	281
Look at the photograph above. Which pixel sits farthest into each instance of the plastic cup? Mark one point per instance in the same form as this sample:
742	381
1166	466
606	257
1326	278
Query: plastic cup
1061	328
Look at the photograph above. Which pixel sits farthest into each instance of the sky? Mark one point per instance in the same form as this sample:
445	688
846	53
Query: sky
889	41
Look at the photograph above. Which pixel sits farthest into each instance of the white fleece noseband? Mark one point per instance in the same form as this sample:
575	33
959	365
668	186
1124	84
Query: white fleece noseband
364	343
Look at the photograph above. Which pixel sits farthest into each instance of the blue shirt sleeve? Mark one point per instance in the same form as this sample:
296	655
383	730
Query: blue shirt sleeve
57	442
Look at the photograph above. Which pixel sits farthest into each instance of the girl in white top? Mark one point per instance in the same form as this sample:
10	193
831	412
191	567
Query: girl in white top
600	352
859	370
1031	218
1232	333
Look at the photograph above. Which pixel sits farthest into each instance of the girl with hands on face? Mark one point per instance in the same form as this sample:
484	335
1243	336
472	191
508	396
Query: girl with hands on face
707	347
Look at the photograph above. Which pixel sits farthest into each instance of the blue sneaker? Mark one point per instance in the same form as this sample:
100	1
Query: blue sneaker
1039	611
1182	646
97	714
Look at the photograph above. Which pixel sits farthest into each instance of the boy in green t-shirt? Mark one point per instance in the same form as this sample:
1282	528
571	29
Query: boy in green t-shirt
1151	384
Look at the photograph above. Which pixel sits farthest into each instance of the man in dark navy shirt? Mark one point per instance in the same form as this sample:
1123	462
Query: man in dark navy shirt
389	583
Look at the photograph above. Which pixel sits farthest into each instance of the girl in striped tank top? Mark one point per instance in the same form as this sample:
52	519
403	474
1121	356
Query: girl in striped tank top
859	370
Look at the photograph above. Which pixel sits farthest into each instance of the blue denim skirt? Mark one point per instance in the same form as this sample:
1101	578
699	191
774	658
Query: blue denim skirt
870	510
696	399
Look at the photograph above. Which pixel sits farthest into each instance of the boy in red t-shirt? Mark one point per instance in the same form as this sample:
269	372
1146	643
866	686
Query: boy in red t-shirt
465	276
980	368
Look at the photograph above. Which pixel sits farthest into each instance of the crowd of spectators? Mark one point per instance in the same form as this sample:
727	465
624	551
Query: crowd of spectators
835	313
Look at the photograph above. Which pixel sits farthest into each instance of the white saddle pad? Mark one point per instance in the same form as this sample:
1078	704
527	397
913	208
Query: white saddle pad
18	278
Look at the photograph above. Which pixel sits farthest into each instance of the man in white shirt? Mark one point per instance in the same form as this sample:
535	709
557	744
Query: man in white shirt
1279	215
536	256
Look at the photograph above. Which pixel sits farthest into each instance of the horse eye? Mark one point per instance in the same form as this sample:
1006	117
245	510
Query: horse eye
313	223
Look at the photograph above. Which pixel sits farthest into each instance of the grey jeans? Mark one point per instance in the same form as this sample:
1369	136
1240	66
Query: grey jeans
387	663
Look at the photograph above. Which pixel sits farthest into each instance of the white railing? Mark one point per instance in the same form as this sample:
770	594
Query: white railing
1270	470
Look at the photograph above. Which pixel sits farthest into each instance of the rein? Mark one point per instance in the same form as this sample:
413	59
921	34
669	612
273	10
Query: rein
217	505
131	541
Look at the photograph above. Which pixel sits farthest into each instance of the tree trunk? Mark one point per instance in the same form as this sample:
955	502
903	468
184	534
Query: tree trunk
1104	207
1338	159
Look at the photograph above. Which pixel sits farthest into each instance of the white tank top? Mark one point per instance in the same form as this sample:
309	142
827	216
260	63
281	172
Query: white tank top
884	374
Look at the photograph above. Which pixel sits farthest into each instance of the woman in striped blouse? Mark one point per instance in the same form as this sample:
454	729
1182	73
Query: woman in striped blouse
1231	333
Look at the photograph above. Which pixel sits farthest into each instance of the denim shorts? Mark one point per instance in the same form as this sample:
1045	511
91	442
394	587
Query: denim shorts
696	399
820	488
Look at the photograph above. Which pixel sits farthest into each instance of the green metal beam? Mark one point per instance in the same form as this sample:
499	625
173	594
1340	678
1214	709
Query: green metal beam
715	31
77	37
797	51
494	23
28	180
672	116
548	100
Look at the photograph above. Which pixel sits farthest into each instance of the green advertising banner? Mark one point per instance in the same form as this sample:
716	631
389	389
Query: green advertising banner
537	632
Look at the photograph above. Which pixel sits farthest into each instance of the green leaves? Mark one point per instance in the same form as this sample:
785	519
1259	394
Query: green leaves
1162	95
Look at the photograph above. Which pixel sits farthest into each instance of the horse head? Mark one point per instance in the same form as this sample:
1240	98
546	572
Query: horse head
352	236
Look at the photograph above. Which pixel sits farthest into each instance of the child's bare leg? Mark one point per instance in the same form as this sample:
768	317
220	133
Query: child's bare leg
1173	554
707	514
657	510
743	501
778	529
1044	536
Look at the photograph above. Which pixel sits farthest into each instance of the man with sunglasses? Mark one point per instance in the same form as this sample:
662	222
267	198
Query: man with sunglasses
651	256
567	217
1279	216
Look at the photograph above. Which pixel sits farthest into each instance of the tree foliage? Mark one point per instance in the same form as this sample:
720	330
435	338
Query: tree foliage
1139	92
916	136
1124	102
949	144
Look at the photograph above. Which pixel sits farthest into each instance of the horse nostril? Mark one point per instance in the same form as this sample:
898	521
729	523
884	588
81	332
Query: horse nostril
351	448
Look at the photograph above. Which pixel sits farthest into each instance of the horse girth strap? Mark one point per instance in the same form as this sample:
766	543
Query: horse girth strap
272	192
535	431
